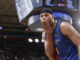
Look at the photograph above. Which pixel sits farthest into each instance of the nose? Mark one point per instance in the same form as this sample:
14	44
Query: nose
44	17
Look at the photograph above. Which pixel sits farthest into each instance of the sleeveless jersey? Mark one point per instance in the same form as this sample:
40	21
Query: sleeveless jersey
67	50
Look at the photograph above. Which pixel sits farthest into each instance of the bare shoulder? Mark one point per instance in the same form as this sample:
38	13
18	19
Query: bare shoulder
65	24
65	27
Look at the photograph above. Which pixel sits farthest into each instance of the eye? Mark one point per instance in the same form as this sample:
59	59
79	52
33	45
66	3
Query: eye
41	16
46	15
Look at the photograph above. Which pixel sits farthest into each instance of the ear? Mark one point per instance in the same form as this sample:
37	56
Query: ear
52	16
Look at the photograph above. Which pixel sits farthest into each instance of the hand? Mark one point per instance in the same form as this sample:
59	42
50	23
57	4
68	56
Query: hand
79	49
47	27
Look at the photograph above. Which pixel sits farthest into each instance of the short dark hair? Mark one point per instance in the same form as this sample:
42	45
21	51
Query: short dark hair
46	10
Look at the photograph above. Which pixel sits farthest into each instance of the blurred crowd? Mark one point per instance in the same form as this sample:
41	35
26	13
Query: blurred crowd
12	54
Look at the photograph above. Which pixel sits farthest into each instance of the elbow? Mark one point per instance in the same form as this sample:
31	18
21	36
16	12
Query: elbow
50	55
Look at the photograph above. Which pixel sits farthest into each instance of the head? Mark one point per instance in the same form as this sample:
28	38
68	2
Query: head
46	15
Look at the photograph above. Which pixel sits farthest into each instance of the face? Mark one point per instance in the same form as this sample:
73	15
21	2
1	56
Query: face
46	17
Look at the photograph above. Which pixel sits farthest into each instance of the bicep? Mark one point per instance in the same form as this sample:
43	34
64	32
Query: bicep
71	32
74	36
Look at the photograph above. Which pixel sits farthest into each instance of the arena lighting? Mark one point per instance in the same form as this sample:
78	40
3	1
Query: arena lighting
39	29
27	29
42	41
30	40
36	40
78	22
0	27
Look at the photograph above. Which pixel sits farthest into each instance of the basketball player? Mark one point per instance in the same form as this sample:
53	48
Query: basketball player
61	35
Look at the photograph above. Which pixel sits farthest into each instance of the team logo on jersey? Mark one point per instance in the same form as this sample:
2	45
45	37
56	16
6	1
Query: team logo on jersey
57	41
56	34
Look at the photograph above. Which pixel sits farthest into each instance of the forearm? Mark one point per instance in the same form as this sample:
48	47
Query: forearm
49	45
79	49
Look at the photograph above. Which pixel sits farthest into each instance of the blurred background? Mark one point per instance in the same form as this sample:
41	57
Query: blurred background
19	19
